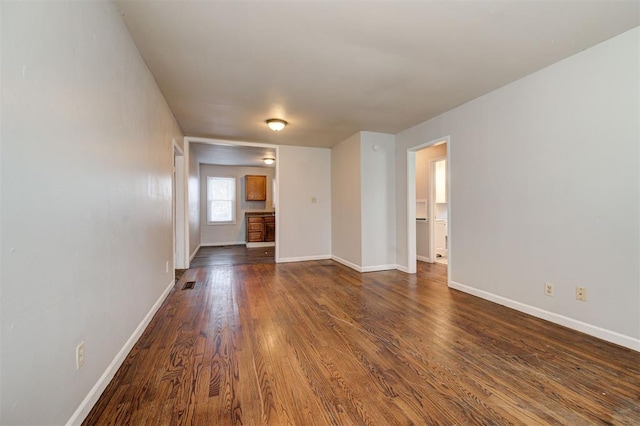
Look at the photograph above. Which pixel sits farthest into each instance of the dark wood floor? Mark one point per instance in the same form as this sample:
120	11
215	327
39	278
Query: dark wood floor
316	343
232	255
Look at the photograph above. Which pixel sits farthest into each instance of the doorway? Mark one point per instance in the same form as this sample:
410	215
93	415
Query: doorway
428	218
228	242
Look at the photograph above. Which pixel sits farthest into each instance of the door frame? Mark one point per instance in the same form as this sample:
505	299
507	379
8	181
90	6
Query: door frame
180	245
412	261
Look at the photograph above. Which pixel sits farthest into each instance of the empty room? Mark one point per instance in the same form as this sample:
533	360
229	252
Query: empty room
320	212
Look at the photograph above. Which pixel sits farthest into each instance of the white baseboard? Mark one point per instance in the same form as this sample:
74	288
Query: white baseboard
376	268
347	263
94	394
261	244
303	258
362	269
424	259
402	269
225	243
194	253
592	330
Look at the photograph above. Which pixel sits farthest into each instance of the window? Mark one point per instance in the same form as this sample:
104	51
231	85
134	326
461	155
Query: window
221	200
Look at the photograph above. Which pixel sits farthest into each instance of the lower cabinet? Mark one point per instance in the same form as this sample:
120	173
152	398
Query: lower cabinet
270	228
255	229
440	238
261	229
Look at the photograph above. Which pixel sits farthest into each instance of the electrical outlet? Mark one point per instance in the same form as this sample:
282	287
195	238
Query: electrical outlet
581	294
79	355
548	289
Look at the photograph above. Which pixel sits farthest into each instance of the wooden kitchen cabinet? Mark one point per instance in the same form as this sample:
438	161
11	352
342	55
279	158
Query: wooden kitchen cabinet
261	228
255	229
269	228
255	188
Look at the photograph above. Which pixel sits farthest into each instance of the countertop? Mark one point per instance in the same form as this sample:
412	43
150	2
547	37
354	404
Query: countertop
259	214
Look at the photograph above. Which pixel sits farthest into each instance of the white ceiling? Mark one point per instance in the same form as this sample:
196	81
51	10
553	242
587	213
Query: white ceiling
332	68
233	155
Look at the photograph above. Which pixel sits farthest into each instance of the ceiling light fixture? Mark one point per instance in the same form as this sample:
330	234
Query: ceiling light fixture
276	124
269	160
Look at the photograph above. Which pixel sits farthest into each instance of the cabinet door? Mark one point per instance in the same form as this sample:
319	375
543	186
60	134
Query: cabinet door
269	228
440	235
255	188
255	229
255	237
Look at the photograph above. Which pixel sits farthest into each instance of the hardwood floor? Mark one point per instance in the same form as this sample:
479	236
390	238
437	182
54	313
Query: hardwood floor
232	255
316	343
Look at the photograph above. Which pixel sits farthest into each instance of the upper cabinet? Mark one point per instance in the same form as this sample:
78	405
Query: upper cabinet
255	188
441	181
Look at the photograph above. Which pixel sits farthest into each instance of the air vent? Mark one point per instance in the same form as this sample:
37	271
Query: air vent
189	285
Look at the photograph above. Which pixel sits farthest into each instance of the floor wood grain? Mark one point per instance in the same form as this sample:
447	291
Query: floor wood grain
232	255
315	343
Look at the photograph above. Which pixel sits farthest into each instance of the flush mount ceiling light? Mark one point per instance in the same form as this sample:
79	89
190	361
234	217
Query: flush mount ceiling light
276	124
269	160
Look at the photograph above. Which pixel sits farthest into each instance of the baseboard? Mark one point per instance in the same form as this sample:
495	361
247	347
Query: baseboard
424	259
194	253
261	244
376	268
94	394
592	330
363	269
347	263
303	258
226	243
402	269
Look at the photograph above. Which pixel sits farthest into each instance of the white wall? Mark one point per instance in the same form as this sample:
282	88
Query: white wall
423	164
545	187
86	201
378	192
233	233
303	228
363	202
346	207
193	194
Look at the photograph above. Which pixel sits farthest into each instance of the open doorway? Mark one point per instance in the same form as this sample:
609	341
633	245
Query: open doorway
237	192
428	203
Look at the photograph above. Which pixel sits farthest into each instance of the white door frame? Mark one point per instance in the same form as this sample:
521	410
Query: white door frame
180	245
412	262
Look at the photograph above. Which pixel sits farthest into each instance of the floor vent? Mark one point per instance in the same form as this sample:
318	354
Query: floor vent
189	285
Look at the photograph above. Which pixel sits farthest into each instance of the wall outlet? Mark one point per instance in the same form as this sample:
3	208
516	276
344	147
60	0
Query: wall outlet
548	289
166	267
581	294
79	355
